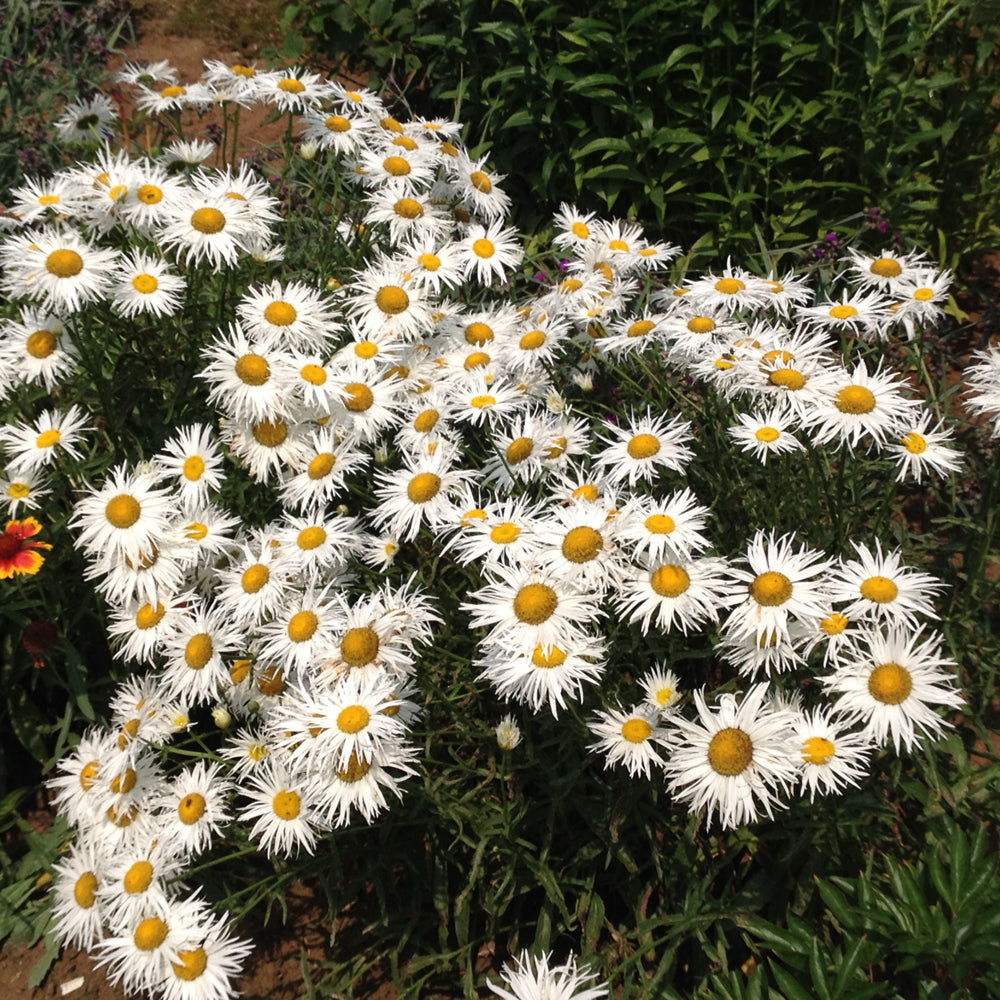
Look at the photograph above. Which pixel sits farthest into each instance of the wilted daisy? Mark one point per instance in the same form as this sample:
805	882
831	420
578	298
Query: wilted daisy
894	681
508	733
735	760
87	120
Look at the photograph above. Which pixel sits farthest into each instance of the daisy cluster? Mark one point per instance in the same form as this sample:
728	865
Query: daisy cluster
421	392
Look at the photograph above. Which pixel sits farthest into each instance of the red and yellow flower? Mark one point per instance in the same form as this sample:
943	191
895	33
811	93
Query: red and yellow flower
17	554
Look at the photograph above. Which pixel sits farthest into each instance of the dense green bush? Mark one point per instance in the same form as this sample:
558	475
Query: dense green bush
743	122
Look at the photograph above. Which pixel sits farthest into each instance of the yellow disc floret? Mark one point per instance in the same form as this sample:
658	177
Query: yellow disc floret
771	589
890	683
730	752
535	603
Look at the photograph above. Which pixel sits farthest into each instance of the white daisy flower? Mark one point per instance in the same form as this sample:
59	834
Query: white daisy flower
894	681
877	586
630	738
644	446
144	284
764	434
76	907
832	757
489	254
30	447
528	978
284	808
783	585
922	449
735	760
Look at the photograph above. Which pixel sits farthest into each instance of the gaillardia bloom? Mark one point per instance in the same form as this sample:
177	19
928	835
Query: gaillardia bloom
17	554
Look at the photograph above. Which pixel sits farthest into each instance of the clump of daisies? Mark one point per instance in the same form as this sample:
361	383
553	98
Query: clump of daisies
417	401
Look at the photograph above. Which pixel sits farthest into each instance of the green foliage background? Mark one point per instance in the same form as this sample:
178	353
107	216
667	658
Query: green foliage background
719	123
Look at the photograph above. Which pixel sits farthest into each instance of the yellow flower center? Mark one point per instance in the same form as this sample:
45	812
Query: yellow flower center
425	421
123	511
49	199
359	397
914	443
173	91
391	125
322	465
270	435
636	731
397	166
337	123
580	230
729	286
843	312
771	589
312	537
194	468
478	333
670	580
855	399
923	294
145	284
286	805
423	486
886	267
255	578
41	344
48	438
555	657
149	194
64	263
85	890
504	534
787	378
190	965
643	446
641	327
535	603
252	369
660	524
192	808
353	719
429	261
890	683
150	934
480	181
818	750
477	359
123	783
767	434
730	752
208	221
291	86
520	450
532	340
879	589
775	287
588	491
582	544
280	313
355	770
484	248
834	624
147	617
198	651
88	775
359	646
302	626
138	878
482	402
408	208
392	300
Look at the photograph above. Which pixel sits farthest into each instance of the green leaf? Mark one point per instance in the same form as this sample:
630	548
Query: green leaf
678	54
788	985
